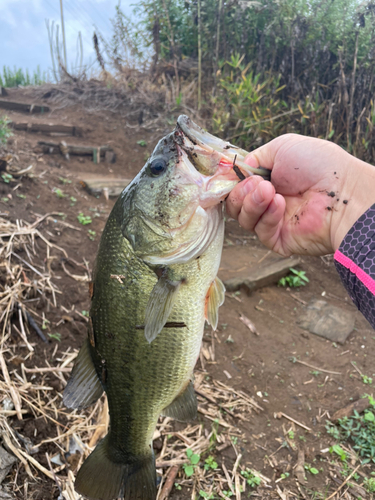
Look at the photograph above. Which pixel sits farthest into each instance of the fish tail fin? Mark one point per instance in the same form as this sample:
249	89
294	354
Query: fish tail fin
103	478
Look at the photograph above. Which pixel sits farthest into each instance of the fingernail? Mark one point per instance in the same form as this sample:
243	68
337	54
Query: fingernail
258	195
247	187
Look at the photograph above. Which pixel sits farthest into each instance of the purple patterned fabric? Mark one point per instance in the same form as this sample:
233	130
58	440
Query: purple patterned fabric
355	263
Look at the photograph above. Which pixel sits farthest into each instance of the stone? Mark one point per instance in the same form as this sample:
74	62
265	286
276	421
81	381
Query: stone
330	322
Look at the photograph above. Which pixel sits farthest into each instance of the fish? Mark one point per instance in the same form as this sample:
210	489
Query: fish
154	285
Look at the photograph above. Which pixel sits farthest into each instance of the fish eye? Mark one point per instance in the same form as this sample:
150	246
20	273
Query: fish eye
157	167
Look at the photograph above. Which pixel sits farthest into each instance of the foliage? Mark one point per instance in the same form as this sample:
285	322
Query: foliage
210	463
14	77
252	479
5	131
84	219
360	430
295	279
193	461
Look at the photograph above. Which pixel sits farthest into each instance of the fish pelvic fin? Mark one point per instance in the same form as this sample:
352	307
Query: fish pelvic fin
214	299
83	387
102	478
184	407
159	306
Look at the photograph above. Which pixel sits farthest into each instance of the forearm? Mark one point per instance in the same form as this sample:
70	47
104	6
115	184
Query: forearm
355	262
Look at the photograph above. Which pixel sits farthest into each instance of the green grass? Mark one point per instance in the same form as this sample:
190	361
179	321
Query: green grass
17	76
5	131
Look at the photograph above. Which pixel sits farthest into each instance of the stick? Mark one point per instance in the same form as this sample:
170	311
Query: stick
32	323
344	483
13	393
316	368
169	482
281	414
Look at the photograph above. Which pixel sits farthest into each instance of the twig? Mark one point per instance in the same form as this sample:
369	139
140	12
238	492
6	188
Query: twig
281	414
32	323
169	482
344	483
13	393
315	367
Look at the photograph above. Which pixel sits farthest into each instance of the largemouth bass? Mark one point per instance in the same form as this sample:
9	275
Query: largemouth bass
154	286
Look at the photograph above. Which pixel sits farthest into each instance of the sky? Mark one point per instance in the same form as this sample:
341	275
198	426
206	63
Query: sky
24	37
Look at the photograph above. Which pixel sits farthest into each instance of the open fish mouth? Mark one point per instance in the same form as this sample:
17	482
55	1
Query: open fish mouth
209	154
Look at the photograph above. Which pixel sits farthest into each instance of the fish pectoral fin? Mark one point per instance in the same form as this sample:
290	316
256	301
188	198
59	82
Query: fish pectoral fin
159	306
184	407
214	299
102	478
83	387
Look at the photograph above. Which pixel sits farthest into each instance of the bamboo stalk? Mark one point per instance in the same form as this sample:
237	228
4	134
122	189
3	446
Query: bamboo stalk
352	89
216	67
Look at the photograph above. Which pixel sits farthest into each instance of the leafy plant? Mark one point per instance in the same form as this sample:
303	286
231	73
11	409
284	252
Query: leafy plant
369	484
360	430
64	181
6	177
14	77
92	234
142	143
210	463
56	336
5	131
295	279
193	461
84	219
311	469
207	496
59	193
252	479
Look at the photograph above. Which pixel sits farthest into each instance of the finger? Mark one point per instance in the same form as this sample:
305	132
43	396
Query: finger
270	223
238	194
255	204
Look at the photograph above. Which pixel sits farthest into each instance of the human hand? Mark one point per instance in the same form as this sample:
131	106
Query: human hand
317	193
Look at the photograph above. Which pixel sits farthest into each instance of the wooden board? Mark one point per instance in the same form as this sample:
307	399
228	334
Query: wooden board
264	274
21	106
95	185
47	128
97	153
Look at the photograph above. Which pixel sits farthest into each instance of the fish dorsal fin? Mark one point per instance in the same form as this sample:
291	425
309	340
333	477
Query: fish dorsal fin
184	407
214	299
83	387
159	306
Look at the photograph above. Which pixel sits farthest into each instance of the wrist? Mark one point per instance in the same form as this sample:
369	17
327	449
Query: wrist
356	197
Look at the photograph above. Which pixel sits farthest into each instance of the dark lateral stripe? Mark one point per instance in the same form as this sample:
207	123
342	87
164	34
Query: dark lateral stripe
172	324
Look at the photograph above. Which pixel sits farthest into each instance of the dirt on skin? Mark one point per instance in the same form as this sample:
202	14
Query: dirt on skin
262	365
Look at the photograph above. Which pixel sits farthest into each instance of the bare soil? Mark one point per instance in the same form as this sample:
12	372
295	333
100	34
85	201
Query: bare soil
263	366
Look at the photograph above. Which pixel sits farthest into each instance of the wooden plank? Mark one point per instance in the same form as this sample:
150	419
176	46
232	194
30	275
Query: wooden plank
96	185
48	128
73	149
266	274
21	106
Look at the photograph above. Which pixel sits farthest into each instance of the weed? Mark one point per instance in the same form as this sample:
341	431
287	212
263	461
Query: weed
64	181
193	459
6	177
4	199
73	201
284	475
291	434
178	486
360	429
85	313
227	494
142	143
56	336
311	469
45	324
22	196
207	496
84	219
210	463
296	279
252	479
369	484
5	131
366	379
15	77
59	193
92	234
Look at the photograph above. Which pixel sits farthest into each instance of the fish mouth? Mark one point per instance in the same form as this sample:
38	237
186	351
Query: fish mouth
209	154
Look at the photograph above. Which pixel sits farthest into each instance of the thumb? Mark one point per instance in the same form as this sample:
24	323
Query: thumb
262	157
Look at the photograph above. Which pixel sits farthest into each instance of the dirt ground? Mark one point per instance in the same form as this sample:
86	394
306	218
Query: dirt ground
265	366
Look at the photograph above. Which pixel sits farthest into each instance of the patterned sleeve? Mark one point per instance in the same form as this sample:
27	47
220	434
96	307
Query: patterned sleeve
355	263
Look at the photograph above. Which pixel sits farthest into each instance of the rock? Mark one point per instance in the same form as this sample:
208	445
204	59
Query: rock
360	406
330	322
6	462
